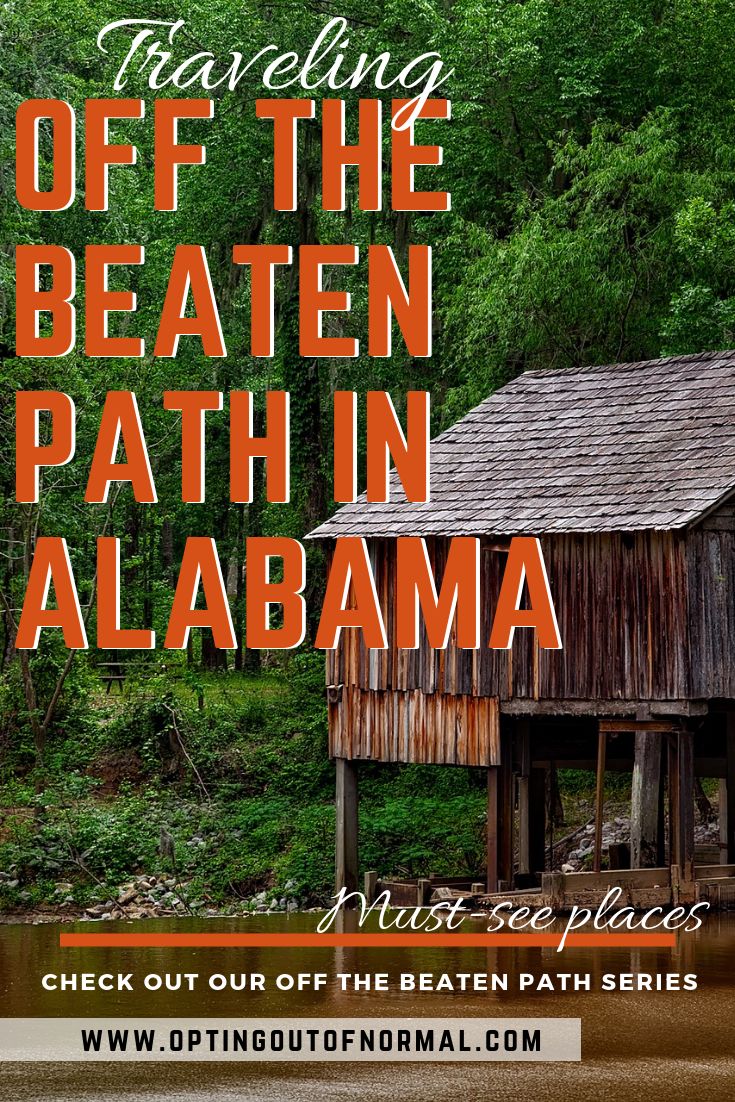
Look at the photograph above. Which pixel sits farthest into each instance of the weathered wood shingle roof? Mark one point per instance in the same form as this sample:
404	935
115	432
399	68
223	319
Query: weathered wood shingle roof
620	448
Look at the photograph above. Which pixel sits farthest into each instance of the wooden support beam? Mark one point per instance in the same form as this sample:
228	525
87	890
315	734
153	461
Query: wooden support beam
730	780
346	804
625	726
493	796
505	809
524	825
661	827
599	799
640	878
722	818
673	775
686	801
644	813
370	886
524	790
681	803
537	817
518	706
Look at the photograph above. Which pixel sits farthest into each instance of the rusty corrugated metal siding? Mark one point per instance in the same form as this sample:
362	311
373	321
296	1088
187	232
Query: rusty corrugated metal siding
426	728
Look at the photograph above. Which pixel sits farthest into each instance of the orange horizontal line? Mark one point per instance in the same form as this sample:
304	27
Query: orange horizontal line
364	941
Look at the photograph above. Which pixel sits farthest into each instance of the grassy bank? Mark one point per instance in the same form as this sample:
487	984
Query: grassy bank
220	782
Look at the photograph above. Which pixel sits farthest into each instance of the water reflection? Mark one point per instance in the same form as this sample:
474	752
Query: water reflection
636	1045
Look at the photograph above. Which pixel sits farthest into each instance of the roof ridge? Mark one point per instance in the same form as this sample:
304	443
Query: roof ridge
632	365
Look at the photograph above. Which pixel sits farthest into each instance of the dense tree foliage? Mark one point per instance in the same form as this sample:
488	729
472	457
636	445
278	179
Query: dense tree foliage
591	161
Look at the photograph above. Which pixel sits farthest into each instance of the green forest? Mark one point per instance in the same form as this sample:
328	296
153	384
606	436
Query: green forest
591	162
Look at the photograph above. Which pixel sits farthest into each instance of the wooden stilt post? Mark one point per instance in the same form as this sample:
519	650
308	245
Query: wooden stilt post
346	863
722	817
644	814
370	885
681	803
493	794
524	791
537	815
686	804
505	811
599	799
661	847
730	780
674	808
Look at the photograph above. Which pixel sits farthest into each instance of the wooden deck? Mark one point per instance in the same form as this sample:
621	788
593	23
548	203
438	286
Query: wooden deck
640	888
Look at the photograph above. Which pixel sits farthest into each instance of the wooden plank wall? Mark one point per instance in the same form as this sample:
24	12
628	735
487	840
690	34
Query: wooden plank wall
426	728
646	616
622	606
711	553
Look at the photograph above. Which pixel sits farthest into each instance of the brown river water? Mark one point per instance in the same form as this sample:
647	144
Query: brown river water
646	1046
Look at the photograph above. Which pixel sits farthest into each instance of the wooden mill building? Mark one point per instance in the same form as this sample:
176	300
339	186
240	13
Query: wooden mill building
627	475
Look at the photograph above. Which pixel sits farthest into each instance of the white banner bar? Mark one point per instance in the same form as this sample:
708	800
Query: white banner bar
292	1039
